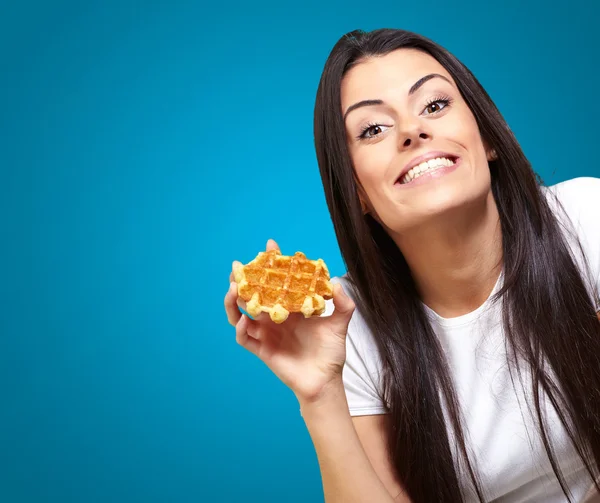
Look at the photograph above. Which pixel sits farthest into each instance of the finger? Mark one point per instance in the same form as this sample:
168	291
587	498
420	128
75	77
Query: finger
254	329
231	307
344	307
272	245
233	266
261	317
241	303
243	338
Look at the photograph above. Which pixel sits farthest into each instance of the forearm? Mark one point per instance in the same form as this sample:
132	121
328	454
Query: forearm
347	473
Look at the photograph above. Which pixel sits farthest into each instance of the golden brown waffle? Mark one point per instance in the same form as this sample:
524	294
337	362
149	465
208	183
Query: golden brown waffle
280	285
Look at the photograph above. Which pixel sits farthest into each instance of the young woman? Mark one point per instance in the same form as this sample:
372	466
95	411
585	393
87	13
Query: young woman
460	360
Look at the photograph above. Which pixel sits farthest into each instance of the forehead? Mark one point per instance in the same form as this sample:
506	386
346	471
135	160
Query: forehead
378	76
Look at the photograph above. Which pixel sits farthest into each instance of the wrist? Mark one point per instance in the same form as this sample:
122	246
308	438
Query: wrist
332	393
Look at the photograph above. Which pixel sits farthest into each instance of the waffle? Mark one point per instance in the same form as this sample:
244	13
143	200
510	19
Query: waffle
280	285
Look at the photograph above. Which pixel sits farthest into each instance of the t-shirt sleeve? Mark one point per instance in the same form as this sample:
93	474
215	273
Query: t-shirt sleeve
362	371
580	198
361	382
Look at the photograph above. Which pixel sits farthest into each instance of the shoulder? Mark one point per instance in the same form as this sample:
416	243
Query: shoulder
580	198
578	185
576	204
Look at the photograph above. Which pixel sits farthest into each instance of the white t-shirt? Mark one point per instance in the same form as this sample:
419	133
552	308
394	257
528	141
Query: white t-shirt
502	436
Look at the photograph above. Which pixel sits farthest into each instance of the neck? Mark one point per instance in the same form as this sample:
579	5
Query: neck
456	260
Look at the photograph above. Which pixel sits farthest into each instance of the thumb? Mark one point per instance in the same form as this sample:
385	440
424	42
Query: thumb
344	307
272	245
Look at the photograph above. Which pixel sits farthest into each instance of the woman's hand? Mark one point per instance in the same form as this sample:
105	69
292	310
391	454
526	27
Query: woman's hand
307	354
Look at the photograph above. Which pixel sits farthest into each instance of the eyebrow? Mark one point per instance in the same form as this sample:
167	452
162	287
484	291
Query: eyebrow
416	86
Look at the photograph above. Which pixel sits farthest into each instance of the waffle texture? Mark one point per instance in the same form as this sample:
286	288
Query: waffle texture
280	284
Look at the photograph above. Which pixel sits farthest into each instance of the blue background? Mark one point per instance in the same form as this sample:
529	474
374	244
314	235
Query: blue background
138	146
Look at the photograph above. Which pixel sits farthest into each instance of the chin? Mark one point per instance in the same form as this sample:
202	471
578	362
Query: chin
443	203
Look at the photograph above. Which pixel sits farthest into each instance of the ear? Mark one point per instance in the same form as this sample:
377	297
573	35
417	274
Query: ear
363	200
492	155
362	196
363	206
490	152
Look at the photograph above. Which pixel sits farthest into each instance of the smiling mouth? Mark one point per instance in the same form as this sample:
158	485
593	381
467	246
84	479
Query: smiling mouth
425	167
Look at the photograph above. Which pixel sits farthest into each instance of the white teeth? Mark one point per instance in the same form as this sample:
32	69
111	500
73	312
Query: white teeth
425	166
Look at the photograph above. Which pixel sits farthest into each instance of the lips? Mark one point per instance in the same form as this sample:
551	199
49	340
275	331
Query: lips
425	157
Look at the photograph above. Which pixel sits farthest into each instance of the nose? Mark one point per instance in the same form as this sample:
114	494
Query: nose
412	134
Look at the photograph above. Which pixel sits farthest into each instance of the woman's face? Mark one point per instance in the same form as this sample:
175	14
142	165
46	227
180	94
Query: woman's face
399	108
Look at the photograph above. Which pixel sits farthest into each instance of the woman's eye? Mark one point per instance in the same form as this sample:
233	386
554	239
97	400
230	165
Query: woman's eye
372	131
436	106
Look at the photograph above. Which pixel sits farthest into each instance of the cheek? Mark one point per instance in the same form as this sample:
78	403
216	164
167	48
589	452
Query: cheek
470	132
366	165
370	165
464	131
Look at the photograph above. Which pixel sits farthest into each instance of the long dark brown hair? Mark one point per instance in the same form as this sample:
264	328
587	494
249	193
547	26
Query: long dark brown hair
547	312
